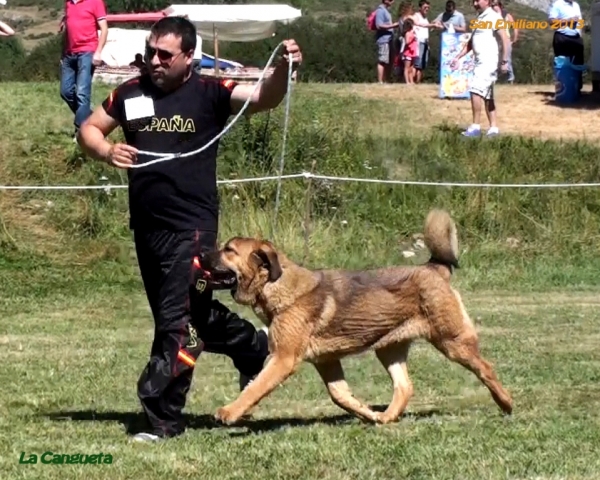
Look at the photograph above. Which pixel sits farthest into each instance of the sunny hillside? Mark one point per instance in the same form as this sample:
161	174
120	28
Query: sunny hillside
326	24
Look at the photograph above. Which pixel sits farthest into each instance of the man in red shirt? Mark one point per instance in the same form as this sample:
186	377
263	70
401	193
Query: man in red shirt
82	52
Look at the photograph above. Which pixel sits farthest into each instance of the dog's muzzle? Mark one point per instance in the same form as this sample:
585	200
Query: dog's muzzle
215	279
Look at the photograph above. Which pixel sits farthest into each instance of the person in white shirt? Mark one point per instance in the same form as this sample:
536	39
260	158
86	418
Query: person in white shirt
484	45
567	41
421	28
451	20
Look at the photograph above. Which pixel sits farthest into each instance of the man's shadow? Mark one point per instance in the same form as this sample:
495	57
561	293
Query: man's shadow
134	422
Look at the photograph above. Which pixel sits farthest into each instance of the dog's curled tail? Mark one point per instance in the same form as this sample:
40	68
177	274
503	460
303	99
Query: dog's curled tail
442	241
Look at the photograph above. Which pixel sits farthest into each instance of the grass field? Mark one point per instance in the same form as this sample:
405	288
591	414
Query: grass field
71	365
75	329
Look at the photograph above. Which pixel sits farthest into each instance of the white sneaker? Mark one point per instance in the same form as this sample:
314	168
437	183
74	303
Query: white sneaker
245	380
146	437
472	131
492	132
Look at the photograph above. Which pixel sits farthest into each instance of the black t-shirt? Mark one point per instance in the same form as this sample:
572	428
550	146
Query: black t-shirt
177	194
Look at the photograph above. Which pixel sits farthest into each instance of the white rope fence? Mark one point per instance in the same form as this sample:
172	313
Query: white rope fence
332	178
109	186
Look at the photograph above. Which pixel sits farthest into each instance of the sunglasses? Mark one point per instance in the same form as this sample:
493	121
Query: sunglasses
163	55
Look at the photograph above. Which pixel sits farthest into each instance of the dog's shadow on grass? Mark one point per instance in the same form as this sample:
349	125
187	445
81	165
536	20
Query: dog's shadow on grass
134	422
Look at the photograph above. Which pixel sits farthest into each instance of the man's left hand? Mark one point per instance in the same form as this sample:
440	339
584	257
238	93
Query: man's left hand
292	53
97	59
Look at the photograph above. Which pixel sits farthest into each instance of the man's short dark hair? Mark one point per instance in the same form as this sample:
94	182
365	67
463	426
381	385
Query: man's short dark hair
450	4
424	2
178	26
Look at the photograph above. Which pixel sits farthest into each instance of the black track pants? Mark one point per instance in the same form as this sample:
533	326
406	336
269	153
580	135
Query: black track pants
186	321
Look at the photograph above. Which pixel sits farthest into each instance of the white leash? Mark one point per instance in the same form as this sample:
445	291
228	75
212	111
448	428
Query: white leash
163	157
285	130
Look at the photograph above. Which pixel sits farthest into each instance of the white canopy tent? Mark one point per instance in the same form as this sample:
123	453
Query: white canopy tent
236	23
123	44
230	23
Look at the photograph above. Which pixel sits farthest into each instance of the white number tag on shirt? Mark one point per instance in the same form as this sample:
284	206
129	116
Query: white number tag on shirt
139	107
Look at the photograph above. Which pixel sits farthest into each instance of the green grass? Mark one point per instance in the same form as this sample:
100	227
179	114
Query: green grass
519	239
70	369
76	330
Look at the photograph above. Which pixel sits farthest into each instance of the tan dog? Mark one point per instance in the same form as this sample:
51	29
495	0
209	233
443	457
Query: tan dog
322	316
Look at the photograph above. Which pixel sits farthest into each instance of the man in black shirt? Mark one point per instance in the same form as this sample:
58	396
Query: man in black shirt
174	209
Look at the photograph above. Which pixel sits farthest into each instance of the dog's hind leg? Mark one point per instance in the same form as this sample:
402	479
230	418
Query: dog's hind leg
393	357
332	374
464	349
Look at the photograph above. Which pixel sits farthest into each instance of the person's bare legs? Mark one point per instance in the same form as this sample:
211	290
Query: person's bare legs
418	75
490	110
474	129
384	61
380	72
482	92
387	71
476	101
408	72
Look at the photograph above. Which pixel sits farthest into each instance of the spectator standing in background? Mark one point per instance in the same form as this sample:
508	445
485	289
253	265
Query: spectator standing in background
384	35
451	18
567	41
405	11
82	53
410	50
421	28
498	7
484	45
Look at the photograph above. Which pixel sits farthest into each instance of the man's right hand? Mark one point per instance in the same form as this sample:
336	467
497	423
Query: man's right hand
121	155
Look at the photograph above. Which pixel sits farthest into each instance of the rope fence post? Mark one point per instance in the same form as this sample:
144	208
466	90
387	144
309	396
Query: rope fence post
307	211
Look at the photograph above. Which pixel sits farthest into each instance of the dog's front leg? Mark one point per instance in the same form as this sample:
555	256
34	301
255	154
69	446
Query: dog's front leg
278	368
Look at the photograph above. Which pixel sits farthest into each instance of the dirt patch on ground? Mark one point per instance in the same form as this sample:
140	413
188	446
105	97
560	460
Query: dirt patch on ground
522	109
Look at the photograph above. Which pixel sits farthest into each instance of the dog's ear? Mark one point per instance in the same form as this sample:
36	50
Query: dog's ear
267	257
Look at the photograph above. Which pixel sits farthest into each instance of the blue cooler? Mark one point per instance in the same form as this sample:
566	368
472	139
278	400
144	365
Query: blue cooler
567	77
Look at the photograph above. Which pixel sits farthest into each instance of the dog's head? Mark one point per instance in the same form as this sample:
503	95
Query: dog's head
244	265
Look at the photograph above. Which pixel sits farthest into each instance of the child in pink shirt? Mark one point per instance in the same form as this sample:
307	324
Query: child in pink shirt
410	50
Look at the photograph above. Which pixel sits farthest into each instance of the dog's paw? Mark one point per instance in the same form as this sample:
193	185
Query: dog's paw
383	419
373	418
226	416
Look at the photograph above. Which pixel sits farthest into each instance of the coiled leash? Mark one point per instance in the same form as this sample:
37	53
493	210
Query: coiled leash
163	157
